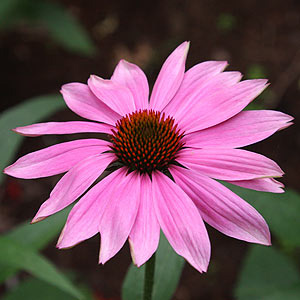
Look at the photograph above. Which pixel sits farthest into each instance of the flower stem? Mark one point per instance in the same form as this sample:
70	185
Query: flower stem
149	278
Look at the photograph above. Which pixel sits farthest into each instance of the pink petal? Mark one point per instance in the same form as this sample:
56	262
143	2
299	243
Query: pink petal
262	184
195	76
221	208
197	91
131	76
169	77
55	159
116	96
63	128
181	222
229	164
84	218
144	235
118	217
220	106
243	129
84	103
73	184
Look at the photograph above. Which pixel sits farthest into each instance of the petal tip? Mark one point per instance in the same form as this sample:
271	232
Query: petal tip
286	125
187	47
266	241
65	88
37	219
20	131
132	252
9	170
97	81
59	244
222	63
94	78
124	62
102	260
15	129
183	49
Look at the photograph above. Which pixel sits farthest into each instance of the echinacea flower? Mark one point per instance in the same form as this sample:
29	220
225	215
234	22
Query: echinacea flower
165	155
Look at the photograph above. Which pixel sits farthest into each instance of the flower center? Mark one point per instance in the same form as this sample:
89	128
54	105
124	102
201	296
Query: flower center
146	141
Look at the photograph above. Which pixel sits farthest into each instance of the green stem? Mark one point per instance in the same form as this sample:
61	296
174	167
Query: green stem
149	278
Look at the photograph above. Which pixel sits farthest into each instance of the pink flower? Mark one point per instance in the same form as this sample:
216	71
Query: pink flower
166	154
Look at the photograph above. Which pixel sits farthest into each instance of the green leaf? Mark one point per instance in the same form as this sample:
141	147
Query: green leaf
38	236
226	22
168	268
281	212
255	71
8	12
33	289
267	273
63	27
20	256
257	104
290	293
26	113
133	284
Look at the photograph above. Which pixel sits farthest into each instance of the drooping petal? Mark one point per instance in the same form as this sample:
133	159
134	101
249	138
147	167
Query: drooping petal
131	76
114	95
84	103
197	91
144	235
229	164
84	218
195	76
243	129
119	215
221	208
169	77
63	128
73	184
55	159
220	106
262	184
180	222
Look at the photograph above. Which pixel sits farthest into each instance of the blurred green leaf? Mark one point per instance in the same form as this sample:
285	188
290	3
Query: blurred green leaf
290	293
17	255
26	113
256	71
168	268
64	28
133	284
62	25
226	22
281	212
9	12
266	274
37	237
35	289
257	104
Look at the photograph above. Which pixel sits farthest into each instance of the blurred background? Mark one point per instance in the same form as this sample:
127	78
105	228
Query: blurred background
45	44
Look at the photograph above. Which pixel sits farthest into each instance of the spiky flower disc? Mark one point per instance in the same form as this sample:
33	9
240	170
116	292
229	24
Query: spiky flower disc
146	141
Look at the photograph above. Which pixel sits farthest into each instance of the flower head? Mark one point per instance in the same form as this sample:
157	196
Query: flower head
164	155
